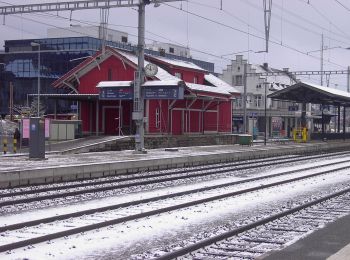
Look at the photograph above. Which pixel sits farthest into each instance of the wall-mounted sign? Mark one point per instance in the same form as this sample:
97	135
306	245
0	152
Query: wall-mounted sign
114	93
168	92
293	108
25	128
47	127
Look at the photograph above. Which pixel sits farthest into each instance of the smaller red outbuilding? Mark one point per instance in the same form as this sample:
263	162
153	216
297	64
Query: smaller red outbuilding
181	98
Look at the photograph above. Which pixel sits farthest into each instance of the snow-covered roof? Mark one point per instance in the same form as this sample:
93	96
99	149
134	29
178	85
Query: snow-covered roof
205	88
179	63
333	91
215	81
279	80
312	93
162	83
161	74
220	87
104	84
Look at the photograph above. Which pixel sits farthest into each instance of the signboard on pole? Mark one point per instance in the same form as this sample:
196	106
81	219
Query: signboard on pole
116	93
168	92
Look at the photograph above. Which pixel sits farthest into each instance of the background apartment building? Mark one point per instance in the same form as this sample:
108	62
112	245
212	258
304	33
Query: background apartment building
281	115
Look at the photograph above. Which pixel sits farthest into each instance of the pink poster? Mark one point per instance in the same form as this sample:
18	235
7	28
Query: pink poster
47	127
25	128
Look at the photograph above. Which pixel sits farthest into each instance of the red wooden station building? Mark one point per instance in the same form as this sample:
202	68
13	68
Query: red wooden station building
181	98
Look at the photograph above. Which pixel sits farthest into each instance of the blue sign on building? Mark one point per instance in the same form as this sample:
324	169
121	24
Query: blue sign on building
168	92
115	93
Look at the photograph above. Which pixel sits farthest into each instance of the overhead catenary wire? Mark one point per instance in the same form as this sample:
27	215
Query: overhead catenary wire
344	6
250	34
327	19
83	34
214	55
91	23
301	18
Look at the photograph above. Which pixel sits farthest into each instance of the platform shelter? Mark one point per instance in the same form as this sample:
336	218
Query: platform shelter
308	93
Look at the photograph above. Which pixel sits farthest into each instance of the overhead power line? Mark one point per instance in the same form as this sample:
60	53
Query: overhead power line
250	34
301	18
344	6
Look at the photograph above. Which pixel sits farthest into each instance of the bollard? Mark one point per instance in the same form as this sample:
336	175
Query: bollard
4	141
14	145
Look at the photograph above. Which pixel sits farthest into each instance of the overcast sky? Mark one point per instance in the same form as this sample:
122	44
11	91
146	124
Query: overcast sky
296	28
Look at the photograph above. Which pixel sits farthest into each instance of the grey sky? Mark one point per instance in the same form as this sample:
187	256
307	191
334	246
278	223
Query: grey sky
294	23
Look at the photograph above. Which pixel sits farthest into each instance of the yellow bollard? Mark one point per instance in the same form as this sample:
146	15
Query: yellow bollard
294	134
4	142
304	135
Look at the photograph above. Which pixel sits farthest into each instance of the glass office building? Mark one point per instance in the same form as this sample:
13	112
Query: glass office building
19	65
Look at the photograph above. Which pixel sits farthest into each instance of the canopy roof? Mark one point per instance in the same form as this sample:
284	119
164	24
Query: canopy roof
311	93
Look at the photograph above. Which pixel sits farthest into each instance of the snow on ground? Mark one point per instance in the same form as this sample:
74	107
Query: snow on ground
127	240
107	201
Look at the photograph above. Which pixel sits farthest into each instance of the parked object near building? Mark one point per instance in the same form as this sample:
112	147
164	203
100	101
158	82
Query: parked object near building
281	115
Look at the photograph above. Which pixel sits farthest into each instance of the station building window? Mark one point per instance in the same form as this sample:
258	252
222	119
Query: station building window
178	75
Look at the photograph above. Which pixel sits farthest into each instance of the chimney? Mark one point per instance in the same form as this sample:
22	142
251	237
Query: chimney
239	58
266	65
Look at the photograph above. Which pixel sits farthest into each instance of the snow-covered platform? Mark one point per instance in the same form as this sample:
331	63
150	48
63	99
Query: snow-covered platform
330	242
19	170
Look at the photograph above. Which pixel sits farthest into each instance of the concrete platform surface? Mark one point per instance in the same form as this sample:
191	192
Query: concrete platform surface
330	242
22	162
19	170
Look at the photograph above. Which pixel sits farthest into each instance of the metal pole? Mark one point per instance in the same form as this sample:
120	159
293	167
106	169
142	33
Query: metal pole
348	85
338	130
11	101
39	70
138	114
119	123
322	46
265	137
245	100
344	117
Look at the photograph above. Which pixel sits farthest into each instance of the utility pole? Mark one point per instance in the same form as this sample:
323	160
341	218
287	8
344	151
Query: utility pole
11	101
348	85
138	113
265	136
104	14
267	20
322	48
245	99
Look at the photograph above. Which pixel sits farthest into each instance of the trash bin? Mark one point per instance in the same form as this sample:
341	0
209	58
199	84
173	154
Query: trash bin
245	139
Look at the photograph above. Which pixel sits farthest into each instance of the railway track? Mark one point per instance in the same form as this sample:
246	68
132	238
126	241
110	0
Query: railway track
161	179
270	233
27	233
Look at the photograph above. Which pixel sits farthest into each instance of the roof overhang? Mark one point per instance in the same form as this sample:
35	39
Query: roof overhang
302	92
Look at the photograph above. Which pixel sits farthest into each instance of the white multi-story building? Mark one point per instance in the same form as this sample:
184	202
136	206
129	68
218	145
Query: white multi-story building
170	49
281	116
92	31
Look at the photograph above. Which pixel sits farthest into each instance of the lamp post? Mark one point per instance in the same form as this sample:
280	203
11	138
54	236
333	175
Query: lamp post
35	44
265	110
